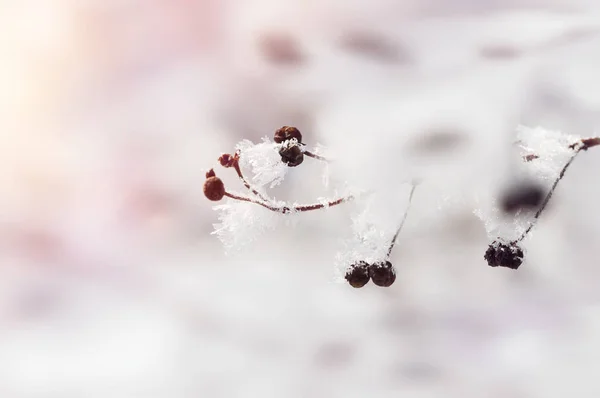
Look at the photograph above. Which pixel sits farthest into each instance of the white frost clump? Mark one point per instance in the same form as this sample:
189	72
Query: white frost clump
242	223
496	225
552	148
553	152
264	161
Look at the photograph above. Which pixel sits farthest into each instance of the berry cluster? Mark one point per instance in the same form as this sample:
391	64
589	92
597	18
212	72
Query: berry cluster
382	274
500	254
288	142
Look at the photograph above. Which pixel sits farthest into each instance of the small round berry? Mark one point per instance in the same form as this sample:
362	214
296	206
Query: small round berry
291	155
522	196
500	254
226	160
358	274
214	189
383	274
287	133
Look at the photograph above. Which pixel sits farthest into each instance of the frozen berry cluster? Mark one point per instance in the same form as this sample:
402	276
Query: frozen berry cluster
382	274
524	198
508	255
290	151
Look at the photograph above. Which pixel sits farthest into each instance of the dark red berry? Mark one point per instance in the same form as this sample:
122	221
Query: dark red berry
586	143
287	133
523	196
214	189
500	254
226	160
382	273
590	142
291	155
358	274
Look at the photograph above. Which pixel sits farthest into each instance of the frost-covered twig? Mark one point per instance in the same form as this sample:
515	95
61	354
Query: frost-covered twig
214	189
289	209
549	155
510	255
227	160
381	272
289	140
582	145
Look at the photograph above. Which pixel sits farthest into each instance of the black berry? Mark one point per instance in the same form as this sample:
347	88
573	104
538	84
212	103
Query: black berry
358	274
382	273
291	155
500	254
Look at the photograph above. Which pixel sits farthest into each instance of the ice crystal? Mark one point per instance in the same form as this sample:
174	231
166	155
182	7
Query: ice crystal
551	147
242	224
264	161
319	150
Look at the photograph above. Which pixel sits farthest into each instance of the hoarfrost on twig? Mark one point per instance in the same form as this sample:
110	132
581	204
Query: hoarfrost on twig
552	151
264	161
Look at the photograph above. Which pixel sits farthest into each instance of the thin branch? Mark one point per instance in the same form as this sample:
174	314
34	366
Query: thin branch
228	161
289	209
282	210
238	170
395	238
546	199
315	156
584	145
318	206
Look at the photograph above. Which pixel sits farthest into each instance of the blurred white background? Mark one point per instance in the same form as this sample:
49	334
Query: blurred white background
112	111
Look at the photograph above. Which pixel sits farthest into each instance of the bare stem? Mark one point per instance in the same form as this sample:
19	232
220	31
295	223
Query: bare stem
315	156
395	238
